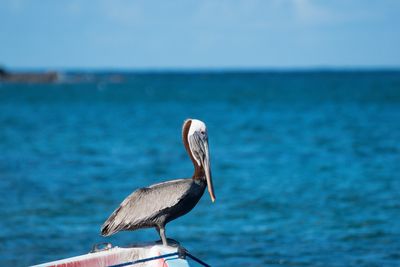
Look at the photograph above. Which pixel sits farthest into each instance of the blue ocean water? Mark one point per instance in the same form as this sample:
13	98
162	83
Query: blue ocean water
306	165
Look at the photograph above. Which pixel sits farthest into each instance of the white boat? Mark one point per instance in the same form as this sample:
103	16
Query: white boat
145	255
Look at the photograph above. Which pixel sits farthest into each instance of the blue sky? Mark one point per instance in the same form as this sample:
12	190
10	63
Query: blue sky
199	34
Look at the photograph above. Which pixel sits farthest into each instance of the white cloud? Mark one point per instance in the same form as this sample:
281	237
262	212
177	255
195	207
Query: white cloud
122	11
308	11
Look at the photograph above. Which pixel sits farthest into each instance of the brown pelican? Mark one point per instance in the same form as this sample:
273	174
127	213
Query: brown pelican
158	204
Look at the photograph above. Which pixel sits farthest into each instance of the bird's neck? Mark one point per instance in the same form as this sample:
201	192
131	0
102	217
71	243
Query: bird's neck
199	173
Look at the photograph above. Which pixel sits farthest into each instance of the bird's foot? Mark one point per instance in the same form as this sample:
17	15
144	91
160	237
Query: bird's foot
170	242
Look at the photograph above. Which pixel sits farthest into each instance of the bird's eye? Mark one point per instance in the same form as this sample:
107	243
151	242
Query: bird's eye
202	132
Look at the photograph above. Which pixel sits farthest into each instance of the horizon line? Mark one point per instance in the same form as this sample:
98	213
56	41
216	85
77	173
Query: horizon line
204	69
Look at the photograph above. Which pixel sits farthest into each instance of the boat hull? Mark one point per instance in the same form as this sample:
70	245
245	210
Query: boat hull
160	256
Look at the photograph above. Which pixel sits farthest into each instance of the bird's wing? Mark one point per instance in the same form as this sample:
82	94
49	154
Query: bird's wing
145	203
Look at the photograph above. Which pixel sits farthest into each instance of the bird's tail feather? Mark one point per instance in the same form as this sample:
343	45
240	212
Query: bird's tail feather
106	230
108	227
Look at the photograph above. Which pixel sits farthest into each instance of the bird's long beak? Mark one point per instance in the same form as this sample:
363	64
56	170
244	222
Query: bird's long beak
207	169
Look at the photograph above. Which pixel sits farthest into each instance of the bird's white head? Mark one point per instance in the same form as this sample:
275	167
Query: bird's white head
197	128
195	138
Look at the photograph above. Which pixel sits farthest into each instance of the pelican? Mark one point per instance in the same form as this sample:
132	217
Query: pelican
158	204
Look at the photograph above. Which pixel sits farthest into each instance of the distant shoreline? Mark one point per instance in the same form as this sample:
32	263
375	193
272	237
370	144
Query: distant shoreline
28	77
